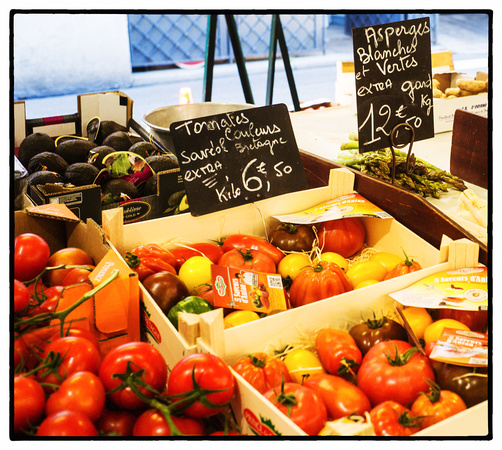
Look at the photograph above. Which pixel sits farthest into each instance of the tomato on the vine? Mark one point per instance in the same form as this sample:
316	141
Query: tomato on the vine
82	391
20	352
77	275
116	422
342	398
394	370
436	405
21	296
137	356
152	423
248	259
390	418
262	371
67	423
314	283
29	403
338	352
31	254
301	404
70	256
202	383
344	236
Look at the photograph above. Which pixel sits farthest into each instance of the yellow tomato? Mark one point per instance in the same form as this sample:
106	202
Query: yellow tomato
302	362
366	270
334	257
418	318
434	330
388	260
366	283
239	317
292	264
195	272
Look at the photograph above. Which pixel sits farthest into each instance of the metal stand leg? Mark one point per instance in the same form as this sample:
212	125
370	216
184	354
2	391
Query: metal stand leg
239	57
277	35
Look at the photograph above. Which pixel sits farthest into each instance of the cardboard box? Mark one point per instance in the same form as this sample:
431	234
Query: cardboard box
444	108
113	313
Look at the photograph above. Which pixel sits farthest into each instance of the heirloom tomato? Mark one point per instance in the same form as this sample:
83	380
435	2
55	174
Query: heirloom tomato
372	331
133	356
386	259
365	270
317	282
29	403
390	418
236	318
149	259
301	404
474	320
201	384
82	391
196	272
152	423
338	352
302	363
418	318
67	423
394	370
433	332
262	371
31	254
436	405
70	256
335	258
341	397
293	238
292	264
344	236
248	259
183	253
166	289
244	241
406	266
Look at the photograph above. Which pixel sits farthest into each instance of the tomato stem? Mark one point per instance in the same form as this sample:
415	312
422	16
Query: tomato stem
401	359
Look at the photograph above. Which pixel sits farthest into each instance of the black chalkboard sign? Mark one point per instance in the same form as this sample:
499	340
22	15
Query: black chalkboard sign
230	159
392	64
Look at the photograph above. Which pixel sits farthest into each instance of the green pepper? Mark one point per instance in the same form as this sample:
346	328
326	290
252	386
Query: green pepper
191	304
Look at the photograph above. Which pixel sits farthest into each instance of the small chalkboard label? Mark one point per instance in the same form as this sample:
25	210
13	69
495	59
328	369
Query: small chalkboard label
392	64
231	159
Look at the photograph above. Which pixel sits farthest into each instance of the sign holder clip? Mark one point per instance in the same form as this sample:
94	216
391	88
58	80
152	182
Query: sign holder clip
410	158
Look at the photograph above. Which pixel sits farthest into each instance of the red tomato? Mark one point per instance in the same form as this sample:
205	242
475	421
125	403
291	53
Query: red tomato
390	418
343	236
21	296
262	371
340	396
140	355
77	275
301	404
76	353
153	423
67	423
200	371
31	254
81	391
74	330
394	370
338	352
207	249
474	320
21	351
49	305
68	255
248	259
29	402
116	423
244	241
314	283
436	405
403	268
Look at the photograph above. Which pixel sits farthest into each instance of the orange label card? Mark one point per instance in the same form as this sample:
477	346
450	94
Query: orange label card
243	289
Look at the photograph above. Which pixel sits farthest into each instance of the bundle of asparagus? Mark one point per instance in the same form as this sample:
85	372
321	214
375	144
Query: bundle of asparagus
423	178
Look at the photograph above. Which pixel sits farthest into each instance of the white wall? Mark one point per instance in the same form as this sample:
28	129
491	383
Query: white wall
58	54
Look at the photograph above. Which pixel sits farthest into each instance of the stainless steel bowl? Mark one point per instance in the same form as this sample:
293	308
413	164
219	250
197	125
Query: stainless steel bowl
160	119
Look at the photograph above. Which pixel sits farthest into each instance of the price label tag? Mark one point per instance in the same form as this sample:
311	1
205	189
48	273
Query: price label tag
230	159
392	64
